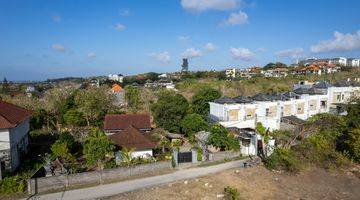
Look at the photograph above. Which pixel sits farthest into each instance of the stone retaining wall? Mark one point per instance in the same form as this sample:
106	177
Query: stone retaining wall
56	183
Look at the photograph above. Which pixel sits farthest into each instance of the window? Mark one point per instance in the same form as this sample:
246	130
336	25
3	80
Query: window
323	104
338	97
342	96
268	113
245	142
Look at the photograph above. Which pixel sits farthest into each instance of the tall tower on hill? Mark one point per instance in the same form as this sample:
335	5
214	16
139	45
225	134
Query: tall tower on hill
185	65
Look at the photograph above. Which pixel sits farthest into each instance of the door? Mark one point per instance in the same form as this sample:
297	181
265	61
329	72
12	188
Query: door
184	157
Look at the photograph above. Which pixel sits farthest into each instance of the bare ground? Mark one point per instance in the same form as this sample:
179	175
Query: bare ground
258	183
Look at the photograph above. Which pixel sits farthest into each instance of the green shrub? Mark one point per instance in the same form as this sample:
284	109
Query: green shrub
283	159
199	155
231	193
13	184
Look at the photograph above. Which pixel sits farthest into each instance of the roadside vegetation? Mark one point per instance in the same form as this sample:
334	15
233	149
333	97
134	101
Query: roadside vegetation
328	141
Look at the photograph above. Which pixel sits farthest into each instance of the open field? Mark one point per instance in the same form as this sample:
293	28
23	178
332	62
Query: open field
258	183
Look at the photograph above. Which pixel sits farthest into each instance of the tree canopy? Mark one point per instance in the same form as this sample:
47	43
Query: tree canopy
193	123
96	148
169	110
221	138
200	101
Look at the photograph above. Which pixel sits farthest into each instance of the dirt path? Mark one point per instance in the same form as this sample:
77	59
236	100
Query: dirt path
257	183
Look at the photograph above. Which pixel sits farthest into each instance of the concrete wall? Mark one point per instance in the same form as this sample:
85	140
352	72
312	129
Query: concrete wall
19	142
221	155
55	183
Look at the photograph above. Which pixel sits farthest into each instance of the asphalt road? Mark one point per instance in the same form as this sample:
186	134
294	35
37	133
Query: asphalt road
126	186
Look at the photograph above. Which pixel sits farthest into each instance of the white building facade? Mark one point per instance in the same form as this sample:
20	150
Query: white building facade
230	113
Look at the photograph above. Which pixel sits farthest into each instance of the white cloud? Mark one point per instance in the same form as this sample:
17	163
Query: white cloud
163	57
237	18
183	38
58	47
124	12
56	18
91	55
340	42
203	5
119	27
241	54
210	47
191	53
291	53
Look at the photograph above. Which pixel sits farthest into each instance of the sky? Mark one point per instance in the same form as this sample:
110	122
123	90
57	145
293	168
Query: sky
43	39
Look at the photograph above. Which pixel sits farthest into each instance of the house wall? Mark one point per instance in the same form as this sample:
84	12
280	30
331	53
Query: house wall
251	149
308	105
19	142
4	139
142	153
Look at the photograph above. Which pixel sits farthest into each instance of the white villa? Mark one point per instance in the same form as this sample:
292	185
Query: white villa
306	100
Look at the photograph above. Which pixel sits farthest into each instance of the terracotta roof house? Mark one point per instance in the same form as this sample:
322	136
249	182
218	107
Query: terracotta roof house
130	131
14	130
120	122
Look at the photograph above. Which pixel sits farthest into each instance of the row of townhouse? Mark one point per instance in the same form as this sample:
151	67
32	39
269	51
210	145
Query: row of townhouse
241	114
305	101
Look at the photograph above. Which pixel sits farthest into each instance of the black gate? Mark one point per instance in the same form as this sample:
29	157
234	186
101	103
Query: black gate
184	157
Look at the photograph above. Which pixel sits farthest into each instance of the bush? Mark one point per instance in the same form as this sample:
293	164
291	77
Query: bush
221	139
283	159
199	154
193	123
231	193
13	184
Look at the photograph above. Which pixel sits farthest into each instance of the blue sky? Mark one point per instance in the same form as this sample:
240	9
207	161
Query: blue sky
47	39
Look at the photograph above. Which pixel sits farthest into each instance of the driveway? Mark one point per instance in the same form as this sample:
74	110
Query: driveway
126	186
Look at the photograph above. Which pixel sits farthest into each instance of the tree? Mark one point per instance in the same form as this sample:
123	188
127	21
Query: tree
274	65
73	118
61	150
132	96
38	119
54	98
353	144
221	139
64	148
193	123
93	104
96	148
200	101
169	110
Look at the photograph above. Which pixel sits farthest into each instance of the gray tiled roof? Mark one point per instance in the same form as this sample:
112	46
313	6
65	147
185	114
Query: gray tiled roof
242	99
225	100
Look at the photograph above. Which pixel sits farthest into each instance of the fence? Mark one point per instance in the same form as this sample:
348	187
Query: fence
221	155
56	183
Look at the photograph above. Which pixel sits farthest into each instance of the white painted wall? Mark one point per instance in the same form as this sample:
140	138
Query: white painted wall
219	112
19	142
143	153
4	139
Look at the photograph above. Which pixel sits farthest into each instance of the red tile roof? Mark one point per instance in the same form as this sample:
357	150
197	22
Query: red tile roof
131	138
11	115
122	121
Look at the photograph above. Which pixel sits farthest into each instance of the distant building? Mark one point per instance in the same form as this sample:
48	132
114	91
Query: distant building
119	93
14	131
338	61
230	73
185	65
353	62
116	77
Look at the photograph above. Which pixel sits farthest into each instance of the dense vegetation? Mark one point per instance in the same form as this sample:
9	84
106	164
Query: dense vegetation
332	142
